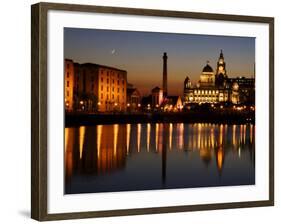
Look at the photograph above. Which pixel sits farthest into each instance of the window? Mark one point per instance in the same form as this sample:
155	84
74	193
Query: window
67	74
112	80
123	81
112	89
112	96
107	81
101	87
107	96
117	90
101	79
101	96
67	84
118	80
67	65
107	89
123	90
67	93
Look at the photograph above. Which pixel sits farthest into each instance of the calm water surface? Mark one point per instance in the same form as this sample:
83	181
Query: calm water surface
124	157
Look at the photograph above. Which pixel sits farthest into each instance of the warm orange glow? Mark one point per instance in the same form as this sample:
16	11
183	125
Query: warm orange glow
234	135
156	136
128	133
138	136
99	134
221	135
81	140
180	130
148	137
220	158
251	133
170	135
115	136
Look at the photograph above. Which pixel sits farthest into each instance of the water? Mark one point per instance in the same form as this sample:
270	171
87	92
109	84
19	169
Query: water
126	157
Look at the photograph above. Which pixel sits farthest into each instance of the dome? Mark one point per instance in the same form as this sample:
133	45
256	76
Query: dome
207	68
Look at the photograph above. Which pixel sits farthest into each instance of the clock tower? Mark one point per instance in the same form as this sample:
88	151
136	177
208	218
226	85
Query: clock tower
221	75
221	66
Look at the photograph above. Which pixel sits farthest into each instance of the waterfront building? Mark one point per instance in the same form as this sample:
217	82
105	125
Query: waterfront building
69	85
216	87
99	88
172	104
133	98
157	97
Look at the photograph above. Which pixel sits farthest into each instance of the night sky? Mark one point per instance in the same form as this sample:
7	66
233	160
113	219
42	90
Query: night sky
140	54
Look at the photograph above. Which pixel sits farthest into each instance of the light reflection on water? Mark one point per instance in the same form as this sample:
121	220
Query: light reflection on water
122	157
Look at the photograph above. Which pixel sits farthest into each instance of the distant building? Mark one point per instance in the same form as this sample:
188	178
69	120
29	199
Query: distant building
146	103
172	103
98	88
157	97
133	98
218	88
69	85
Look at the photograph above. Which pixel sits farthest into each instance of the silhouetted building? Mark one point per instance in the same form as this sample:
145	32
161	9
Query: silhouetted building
133	99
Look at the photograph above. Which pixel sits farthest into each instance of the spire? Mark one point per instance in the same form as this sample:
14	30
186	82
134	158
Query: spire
221	54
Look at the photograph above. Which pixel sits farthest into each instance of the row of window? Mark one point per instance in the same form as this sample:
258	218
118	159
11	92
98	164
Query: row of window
107	89
107	97
206	91
107	81
110	73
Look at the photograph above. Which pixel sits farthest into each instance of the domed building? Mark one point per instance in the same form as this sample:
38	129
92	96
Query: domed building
217	87
207	77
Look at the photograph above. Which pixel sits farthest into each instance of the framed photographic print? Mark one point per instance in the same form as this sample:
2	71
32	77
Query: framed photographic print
138	111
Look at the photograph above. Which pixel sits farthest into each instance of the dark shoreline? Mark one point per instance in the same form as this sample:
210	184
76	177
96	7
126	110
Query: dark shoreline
78	119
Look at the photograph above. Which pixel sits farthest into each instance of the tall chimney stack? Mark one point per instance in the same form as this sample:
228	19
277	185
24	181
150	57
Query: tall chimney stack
165	87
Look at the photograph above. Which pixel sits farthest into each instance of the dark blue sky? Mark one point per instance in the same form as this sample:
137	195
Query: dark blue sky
140	54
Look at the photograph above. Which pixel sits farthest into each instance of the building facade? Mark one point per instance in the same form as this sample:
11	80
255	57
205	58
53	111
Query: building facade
69	85
133	99
98	88
216	87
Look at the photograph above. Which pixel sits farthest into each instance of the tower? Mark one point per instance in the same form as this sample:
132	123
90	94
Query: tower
221	65
221	75
165	87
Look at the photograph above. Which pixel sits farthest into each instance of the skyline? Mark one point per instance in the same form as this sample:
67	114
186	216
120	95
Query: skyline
140	54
